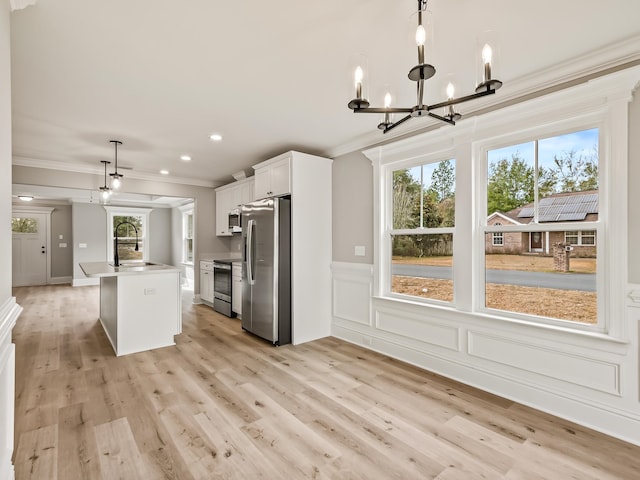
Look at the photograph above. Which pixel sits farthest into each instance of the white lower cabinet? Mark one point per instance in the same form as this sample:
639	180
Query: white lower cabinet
236	288
206	281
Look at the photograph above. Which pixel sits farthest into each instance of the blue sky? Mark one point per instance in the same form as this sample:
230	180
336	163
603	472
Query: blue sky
582	142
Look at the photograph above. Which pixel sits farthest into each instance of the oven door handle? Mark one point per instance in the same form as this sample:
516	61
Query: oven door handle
251	225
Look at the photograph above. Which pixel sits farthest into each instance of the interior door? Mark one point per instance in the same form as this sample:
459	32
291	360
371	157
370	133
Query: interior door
29	248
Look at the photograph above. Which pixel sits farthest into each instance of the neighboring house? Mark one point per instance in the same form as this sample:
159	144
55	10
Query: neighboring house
560	207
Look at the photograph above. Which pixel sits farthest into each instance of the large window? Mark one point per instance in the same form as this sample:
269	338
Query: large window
549	188
130	227
423	221
539	228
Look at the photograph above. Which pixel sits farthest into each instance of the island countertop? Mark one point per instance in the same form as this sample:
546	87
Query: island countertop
104	269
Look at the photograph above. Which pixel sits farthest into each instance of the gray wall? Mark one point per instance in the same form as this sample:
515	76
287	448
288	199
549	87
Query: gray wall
352	207
634	191
61	257
160	235
90	228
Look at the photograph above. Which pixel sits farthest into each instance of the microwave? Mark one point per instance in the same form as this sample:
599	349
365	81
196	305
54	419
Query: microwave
235	221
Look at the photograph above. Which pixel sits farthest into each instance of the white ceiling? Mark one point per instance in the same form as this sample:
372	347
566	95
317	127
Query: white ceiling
269	76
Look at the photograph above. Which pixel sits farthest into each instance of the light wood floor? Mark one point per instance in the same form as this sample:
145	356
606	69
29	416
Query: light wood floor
223	404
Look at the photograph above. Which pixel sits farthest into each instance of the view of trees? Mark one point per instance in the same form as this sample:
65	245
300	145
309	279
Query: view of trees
431	205
511	181
24	225
430	202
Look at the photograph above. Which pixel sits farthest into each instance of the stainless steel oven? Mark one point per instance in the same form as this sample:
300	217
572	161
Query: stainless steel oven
222	282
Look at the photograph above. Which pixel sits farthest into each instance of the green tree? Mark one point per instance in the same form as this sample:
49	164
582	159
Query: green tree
511	184
406	200
443	180
577	172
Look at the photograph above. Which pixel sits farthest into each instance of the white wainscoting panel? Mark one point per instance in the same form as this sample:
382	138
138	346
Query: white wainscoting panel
351	290
417	327
586	379
543	360
9	313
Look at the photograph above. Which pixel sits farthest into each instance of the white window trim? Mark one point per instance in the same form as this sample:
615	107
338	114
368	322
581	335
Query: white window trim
578	233
601	103
188	210
113	211
496	235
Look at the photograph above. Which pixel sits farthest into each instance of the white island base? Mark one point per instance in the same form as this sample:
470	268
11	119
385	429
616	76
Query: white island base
140	310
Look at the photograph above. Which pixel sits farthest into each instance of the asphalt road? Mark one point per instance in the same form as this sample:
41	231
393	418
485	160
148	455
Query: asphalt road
561	281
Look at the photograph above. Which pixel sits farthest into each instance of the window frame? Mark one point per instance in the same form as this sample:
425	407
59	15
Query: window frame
602	103
534	134
186	211
579	235
497	235
145	213
434	158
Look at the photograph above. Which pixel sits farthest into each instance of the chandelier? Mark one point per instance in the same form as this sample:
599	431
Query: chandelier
421	72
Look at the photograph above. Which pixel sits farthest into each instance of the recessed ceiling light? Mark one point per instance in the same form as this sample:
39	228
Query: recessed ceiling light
25	198
164	172
185	158
216	137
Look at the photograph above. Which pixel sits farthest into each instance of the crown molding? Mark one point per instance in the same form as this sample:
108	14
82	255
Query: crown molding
82	168
611	58
20	4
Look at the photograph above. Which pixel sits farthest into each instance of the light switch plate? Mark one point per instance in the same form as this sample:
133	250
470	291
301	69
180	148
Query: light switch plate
82	245
359	251
62	245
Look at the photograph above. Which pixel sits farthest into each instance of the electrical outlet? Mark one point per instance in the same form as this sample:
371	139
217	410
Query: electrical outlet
359	251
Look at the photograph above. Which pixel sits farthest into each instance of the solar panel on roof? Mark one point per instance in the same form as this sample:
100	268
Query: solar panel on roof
563	208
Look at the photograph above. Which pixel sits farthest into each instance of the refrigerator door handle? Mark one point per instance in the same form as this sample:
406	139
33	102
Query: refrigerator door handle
250	252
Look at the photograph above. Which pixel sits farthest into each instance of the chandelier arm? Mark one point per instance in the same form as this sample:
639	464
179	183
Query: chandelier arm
394	125
455	101
382	110
442	119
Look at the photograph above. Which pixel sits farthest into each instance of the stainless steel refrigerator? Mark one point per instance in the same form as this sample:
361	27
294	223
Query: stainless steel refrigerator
266	269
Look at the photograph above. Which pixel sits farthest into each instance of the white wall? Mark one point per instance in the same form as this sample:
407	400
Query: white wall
9	310
586	379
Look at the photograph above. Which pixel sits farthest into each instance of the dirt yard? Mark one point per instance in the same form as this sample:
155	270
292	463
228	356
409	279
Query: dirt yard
532	263
563	304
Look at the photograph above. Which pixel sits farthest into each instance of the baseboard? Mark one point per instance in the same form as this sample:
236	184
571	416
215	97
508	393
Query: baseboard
60	280
84	282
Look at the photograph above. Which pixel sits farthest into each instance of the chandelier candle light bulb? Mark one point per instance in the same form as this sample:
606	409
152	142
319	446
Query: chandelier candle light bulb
486	58
359	74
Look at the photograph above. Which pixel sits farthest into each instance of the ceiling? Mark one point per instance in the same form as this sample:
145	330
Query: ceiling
161	76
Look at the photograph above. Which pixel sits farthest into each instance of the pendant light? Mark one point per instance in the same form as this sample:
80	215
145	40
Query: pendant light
116	178
105	192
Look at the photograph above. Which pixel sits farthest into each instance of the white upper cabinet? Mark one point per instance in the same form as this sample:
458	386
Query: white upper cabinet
273	177
229	197
223	205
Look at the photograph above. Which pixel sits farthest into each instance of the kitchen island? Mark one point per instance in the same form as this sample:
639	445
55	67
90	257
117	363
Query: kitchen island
140	306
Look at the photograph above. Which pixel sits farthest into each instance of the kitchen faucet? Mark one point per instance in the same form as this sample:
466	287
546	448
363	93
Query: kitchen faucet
116	260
